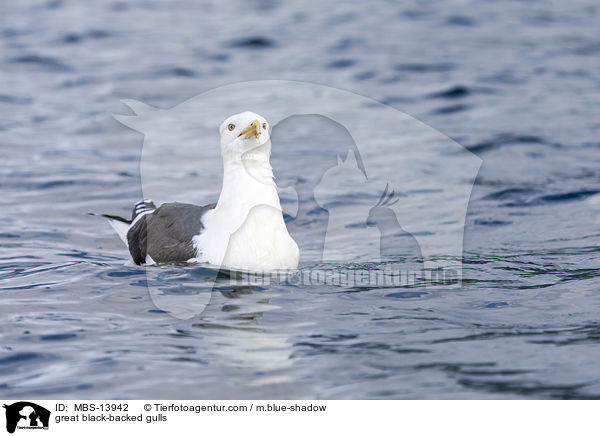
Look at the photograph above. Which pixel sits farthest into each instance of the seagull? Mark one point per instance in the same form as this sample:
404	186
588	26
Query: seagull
243	231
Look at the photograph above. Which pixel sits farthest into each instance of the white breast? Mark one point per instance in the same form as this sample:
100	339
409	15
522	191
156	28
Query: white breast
246	230
262	243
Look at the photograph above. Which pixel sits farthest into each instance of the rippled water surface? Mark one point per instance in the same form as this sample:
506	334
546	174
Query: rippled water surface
517	83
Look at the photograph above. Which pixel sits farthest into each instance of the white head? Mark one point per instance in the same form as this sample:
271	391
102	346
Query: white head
245	132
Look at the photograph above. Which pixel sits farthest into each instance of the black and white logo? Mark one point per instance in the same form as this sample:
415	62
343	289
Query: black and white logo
26	415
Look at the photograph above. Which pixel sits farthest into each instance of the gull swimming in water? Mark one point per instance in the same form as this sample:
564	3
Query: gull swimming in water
244	230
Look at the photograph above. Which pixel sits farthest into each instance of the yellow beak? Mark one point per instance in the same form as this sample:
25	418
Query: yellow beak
252	129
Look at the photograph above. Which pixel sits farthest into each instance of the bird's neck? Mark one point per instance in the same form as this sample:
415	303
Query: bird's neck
247	182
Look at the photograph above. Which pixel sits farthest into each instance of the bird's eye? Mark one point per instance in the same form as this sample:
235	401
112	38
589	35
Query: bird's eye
265	126
231	127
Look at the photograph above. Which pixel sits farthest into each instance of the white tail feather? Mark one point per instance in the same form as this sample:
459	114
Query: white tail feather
121	228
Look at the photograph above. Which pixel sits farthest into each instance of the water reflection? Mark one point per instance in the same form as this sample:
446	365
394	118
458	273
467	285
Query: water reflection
237	339
181	292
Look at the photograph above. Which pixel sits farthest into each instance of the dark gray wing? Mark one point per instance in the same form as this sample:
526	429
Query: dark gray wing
166	233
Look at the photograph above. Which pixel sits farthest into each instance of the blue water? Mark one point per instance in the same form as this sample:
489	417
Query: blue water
517	83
